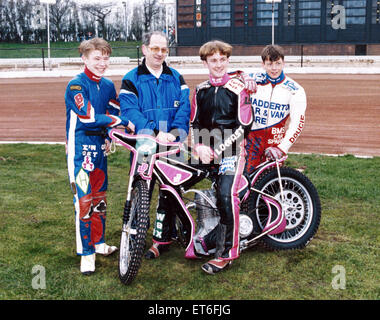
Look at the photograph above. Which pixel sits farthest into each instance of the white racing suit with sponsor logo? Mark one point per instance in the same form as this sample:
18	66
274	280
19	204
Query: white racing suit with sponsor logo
279	107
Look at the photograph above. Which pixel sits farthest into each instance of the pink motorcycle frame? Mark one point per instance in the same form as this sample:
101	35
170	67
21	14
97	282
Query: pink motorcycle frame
177	176
147	172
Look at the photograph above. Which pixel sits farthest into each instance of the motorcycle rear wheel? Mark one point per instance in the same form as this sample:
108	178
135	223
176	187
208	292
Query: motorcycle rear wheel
133	235
301	204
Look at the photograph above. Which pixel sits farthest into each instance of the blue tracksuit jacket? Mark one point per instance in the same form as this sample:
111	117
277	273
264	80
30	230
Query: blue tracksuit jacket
156	104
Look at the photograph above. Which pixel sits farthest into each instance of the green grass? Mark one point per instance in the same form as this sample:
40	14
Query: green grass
62	50
37	228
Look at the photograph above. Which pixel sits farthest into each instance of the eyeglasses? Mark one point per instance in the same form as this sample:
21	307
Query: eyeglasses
158	49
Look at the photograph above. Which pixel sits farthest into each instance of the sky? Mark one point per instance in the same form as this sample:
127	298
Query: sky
118	1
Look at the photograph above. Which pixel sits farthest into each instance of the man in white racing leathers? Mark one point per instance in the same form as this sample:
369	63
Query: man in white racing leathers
278	101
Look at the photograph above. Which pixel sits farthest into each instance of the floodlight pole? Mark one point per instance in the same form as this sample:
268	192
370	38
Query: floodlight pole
273	1
48	26
48	33
272	22
166	3
167	21
125	21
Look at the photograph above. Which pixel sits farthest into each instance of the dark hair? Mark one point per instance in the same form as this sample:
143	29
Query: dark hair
147	36
272	53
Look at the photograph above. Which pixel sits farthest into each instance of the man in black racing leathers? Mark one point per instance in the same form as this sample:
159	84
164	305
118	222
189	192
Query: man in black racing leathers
221	116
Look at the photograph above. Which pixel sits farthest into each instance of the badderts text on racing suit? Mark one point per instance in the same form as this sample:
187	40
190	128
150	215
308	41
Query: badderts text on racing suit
221	116
157	104
276	102
91	104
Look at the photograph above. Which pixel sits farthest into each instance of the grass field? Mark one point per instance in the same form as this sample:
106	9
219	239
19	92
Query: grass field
37	231
62	49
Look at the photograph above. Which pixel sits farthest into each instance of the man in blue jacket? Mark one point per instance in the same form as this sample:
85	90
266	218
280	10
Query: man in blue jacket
156	99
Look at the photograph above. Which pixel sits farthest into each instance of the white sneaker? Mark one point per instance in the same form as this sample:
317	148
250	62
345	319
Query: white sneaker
104	249
87	264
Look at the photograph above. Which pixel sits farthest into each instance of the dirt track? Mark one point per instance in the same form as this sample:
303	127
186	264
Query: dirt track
343	113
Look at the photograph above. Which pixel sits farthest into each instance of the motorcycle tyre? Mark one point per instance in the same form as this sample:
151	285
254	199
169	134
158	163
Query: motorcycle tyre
140	204
270	242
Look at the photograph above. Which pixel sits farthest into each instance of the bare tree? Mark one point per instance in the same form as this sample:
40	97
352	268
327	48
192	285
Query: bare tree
4	27
24	20
100	12
151	9
58	12
137	23
24	16
10	15
72	27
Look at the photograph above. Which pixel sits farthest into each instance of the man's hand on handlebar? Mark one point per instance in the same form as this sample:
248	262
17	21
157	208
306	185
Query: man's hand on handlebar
165	137
205	153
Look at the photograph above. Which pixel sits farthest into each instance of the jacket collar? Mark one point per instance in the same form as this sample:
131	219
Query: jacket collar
219	82
142	69
91	75
277	80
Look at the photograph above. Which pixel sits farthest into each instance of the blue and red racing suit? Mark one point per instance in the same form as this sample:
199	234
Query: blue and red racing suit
91	104
221	116
276	104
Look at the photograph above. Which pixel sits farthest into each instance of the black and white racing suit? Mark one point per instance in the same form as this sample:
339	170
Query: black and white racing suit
221	115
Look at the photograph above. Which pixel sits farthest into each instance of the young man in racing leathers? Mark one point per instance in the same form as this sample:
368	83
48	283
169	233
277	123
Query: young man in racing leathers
91	105
156	99
221	116
278	101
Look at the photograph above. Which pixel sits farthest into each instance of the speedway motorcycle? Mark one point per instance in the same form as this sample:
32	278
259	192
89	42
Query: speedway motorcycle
280	208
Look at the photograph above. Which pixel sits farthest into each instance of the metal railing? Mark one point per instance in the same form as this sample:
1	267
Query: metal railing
39	55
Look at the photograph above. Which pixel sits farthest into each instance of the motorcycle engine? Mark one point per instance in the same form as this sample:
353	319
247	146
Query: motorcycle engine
207	216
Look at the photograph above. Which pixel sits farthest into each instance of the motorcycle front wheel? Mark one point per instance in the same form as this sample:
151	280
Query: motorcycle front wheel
133	235
301	204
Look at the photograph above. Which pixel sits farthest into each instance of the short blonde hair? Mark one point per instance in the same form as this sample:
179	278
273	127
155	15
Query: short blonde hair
95	44
211	47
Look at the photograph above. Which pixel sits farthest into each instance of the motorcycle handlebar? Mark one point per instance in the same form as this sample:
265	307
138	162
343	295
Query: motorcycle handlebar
133	135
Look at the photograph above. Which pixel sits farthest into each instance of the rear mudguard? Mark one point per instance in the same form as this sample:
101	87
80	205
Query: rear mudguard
276	213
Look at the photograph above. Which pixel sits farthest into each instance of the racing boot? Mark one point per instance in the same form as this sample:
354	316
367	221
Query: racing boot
156	250
87	264
222	259
216	265
104	249
163	227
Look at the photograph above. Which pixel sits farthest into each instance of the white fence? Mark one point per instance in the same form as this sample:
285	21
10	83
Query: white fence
192	65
